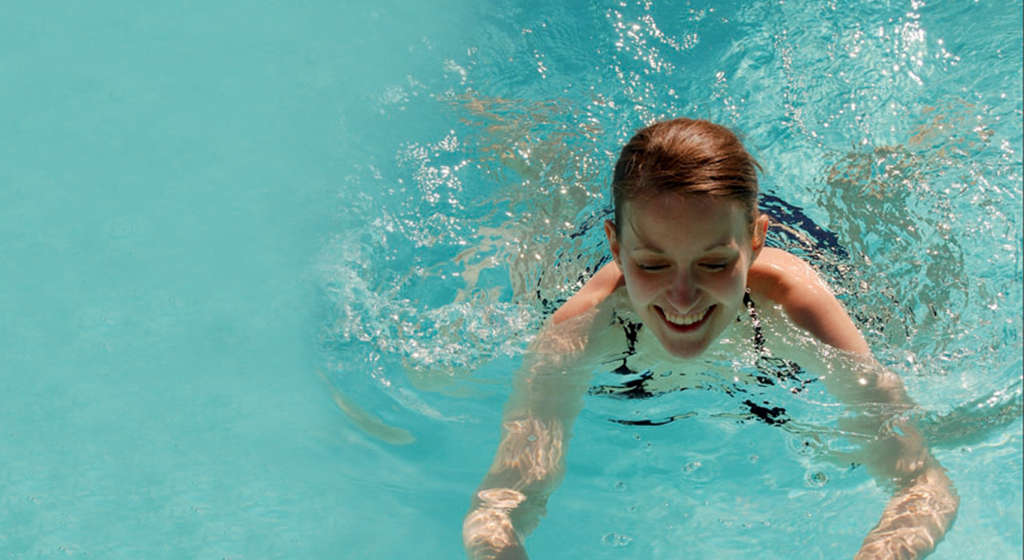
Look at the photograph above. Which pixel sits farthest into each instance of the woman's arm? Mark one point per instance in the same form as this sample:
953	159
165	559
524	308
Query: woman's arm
530	461
535	431
925	502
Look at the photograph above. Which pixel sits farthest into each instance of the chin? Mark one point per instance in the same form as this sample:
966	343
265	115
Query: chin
685	346
682	349
686	353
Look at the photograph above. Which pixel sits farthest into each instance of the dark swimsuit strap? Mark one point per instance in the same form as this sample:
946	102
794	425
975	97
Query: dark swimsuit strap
756	321
782	369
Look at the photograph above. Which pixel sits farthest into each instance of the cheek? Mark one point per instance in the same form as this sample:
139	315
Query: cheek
728	285
737	281
639	286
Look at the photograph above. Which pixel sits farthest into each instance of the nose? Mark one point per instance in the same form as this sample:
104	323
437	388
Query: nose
684	291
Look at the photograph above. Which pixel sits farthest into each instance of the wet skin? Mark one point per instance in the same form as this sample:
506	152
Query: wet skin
684	261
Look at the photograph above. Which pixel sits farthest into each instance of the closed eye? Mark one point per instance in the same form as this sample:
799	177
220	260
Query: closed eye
650	266
714	266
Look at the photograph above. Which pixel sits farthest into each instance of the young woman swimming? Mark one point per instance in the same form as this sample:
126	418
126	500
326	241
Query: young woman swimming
689	263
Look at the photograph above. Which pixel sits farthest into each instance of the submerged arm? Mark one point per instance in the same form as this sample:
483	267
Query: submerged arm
535	431
530	461
925	503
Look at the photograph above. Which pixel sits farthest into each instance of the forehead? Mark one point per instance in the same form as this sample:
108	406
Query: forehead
670	221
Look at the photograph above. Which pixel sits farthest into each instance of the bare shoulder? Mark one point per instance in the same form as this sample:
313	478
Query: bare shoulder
776	272
791	282
786	279
595	291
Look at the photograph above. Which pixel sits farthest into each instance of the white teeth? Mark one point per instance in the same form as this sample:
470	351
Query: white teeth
683	320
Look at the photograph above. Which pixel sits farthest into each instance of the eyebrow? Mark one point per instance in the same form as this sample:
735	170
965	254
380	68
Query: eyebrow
708	249
643	244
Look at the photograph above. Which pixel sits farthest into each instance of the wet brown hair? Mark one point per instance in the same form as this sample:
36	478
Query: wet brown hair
688	157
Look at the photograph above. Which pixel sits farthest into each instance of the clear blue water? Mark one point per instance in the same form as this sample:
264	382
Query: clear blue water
267	271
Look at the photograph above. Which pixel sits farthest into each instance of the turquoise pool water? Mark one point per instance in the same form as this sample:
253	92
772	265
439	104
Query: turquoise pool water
267	271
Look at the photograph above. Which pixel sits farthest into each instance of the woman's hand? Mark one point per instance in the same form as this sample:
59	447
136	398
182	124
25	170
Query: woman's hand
487	531
914	520
924	504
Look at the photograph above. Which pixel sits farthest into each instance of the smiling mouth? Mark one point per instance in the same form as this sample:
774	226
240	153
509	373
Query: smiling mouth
684	323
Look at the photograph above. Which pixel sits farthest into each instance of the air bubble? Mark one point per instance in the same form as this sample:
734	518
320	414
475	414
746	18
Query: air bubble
616	540
816	479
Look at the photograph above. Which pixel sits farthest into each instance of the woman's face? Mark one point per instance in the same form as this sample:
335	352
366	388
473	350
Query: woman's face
685	261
